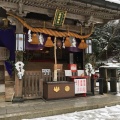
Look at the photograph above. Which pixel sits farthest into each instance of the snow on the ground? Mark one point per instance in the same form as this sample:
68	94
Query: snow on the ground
107	113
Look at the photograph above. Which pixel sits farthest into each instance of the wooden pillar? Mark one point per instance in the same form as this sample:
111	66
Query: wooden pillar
55	65
18	83
83	64
71	58
103	74
113	80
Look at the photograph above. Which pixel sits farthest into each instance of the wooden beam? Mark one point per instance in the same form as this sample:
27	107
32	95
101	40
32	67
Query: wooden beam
51	13
8	5
48	24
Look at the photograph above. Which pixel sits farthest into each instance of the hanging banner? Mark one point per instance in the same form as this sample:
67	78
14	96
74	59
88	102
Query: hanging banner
59	18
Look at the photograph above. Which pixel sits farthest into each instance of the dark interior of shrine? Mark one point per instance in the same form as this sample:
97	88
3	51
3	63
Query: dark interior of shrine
47	54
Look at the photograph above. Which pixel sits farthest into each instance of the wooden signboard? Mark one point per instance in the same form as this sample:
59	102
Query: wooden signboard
59	18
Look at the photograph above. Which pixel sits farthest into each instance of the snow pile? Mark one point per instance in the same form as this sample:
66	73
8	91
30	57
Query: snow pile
107	113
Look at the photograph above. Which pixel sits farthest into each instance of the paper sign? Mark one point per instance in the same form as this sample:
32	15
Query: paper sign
80	73
46	71
80	86
68	73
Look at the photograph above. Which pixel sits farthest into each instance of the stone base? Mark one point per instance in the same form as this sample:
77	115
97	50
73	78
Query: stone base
90	94
17	99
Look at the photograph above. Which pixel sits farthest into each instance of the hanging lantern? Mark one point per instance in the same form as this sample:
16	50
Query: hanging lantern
89	48
35	39
82	45
67	42
49	42
20	42
59	43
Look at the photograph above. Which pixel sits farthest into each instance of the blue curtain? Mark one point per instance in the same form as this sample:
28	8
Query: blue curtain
7	39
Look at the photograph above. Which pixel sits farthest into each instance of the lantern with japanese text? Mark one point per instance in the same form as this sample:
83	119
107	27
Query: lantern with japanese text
20	42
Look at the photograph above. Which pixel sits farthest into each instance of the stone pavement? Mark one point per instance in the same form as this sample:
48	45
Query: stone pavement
39	108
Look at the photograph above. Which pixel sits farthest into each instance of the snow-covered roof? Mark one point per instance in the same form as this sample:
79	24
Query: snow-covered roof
110	65
114	1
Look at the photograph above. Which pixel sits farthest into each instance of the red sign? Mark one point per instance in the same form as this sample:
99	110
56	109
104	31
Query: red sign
73	67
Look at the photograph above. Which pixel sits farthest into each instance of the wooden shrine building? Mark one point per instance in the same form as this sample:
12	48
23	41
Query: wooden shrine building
37	21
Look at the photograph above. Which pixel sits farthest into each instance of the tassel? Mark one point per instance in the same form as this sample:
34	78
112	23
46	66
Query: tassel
49	42
67	42
82	45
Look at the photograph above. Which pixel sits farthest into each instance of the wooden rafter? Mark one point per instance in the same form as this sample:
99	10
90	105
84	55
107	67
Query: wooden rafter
72	7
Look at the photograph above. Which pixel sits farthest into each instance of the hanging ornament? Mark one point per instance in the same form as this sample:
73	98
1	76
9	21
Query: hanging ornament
63	43
41	39
73	41
19	67
82	45
29	36
49	42
35	39
67	42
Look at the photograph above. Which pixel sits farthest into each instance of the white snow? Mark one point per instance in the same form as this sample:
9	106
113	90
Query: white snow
111	65
114	1
107	113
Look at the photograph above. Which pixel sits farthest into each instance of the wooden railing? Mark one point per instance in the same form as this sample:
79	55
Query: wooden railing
33	83
4	53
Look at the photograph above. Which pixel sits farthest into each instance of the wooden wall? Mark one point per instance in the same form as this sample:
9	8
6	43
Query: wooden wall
38	66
